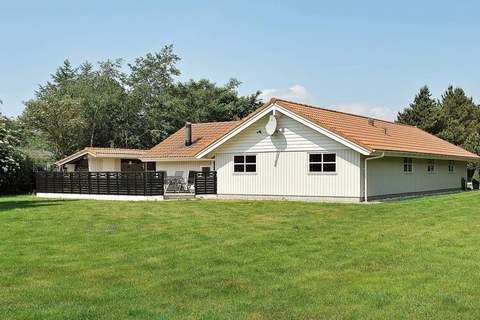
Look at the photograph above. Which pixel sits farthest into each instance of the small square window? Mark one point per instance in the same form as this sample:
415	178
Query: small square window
451	166
407	165
431	166
245	163
322	162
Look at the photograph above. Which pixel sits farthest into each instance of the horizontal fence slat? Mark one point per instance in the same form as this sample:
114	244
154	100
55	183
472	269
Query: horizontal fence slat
102	183
205	182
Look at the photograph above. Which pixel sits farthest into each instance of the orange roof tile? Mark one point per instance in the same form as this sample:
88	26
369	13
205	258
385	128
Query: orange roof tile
203	134
381	136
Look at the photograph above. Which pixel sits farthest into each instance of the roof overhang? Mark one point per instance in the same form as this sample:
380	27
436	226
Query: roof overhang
83	153
277	108
409	154
176	159
74	157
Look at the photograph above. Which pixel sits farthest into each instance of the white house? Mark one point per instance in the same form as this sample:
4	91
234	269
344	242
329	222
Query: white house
287	150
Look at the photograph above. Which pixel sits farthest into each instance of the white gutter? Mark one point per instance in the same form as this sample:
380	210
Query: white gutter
365	178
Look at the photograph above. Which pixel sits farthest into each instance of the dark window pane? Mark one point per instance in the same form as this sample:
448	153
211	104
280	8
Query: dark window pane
251	159
151	166
251	168
329	157
329	167
238	159
315	167
315	157
238	168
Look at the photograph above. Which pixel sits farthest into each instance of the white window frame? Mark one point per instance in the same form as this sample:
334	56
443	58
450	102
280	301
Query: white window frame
405	163
322	163
451	164
245	163
431	164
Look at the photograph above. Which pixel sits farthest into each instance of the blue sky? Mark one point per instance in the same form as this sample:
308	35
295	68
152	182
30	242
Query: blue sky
366	57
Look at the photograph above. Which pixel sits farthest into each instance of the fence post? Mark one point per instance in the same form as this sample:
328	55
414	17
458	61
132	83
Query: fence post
215	182
79	183
108	182
145	176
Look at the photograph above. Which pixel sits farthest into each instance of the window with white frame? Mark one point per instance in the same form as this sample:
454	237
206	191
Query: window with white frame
322	162
430	165
451	166
407	165
244	163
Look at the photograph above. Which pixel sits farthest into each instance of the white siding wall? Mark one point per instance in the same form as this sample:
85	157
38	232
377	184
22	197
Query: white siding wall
282	164
103	164
185	166
386	176
294	136
286	174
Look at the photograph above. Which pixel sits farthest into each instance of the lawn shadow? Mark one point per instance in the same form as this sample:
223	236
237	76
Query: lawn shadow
22	204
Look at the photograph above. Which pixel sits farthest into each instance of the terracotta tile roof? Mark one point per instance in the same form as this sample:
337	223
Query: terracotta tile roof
203	134
98	152
381	136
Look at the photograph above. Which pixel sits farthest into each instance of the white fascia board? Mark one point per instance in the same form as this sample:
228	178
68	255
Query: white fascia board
172	159
420	155
324	131
61	163
274	108
234	132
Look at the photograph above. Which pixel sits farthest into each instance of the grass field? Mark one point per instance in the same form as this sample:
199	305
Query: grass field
416	258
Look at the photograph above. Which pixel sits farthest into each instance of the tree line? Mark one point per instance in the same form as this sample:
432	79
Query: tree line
132	106
454	117
137	105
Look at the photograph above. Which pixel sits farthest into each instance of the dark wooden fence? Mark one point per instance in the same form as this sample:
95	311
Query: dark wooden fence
108	183
206	182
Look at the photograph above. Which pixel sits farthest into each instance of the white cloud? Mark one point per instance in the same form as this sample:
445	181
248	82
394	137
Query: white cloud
368	110
297	93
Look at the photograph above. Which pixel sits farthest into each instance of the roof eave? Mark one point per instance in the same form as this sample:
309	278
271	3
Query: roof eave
414	154
275	107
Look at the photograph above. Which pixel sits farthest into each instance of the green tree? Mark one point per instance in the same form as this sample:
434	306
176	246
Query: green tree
423	112
10	158
106	107
460	120
59	119
204	101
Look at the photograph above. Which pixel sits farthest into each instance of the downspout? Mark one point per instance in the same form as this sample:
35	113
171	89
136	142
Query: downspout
365	174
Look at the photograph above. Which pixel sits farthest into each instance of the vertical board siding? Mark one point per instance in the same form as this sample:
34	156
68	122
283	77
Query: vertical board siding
104	164
292	136
286	174
386	176
172	166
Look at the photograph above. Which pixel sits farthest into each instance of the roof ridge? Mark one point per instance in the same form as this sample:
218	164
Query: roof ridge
273	100
211	122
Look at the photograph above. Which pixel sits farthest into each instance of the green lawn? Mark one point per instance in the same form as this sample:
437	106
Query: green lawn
240	260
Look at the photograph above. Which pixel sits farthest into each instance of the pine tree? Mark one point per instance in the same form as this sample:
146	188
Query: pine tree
460	119
423	112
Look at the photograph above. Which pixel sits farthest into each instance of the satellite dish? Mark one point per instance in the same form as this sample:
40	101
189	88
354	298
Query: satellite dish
271	125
